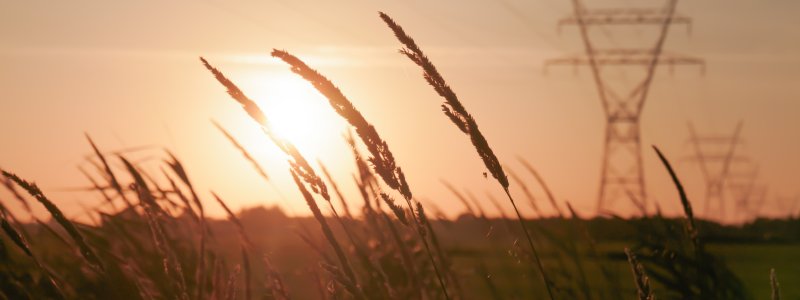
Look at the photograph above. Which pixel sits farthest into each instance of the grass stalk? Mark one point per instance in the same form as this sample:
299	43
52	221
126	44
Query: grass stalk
534	252
687	206
85	250
526	191
326	230
21	243
643	289
382	160
544	185
112	179
456	112
774	285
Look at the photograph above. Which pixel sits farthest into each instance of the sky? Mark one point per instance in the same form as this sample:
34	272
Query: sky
128	74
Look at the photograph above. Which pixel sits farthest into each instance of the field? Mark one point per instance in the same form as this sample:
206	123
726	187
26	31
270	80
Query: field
483	257
157	242
752	263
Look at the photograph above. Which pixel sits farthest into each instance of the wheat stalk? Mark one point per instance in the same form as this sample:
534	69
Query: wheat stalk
54	211
23	244
526	191
452	107
260	170
112	179
460	197
242	150
9	185
297	162
275	282
456	112
326	230
153	212
776	287
335	189
544	185
643	289
382	160
687	206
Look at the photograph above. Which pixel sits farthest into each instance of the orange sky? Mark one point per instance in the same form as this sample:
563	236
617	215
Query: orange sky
128	74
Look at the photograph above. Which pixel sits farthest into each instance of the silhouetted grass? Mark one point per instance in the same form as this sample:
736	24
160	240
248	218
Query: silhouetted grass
454	110
163	245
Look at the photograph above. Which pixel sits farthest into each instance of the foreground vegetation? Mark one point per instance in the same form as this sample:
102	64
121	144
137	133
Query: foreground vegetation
158	243
481	252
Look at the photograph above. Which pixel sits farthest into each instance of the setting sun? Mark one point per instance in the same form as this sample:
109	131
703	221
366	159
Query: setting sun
297	112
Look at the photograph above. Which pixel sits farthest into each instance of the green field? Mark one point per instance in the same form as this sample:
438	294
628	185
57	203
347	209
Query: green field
750	262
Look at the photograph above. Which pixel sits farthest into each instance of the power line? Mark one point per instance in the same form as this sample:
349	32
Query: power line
525	20
464	38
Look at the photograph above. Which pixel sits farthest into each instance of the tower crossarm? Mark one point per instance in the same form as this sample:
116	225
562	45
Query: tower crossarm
746	175
641	57
715	139
718	157
625	16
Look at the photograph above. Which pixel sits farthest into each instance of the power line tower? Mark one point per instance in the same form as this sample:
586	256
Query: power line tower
746	194
715	154
622	172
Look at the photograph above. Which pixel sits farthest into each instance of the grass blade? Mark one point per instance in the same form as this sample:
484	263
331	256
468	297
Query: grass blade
56	213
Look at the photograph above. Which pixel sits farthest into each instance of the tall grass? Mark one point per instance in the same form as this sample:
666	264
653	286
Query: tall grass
87	252
299	164
20	242
382	160
643	288
776	287
684	264
145	256
454	110
163	245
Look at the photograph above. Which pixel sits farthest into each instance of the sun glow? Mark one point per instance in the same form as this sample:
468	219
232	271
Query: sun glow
295	112
298	113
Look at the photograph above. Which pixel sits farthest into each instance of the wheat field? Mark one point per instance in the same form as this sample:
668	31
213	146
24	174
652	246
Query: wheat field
154	239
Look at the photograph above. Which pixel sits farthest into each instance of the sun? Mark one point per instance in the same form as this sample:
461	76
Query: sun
297	112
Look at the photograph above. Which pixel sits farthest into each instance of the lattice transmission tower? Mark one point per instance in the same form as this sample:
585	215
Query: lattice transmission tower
622	174
746	194
716	155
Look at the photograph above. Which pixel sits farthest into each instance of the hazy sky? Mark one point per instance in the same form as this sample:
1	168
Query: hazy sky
127	73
